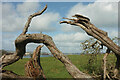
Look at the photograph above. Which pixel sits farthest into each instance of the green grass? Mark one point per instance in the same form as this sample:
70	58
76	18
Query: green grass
53	68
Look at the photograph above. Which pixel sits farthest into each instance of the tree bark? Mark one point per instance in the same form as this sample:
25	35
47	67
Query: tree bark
33	67
23	39
6	74
104	64
101	35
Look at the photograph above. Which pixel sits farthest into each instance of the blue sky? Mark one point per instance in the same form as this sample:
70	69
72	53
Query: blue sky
103	14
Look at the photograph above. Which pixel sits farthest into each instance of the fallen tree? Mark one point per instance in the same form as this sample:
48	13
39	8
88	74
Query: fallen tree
23	39
100	35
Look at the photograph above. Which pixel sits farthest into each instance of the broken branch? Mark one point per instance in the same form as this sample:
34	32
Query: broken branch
30	18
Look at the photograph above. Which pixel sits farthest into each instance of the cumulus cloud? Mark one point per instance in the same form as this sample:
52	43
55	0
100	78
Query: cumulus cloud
102	14
14	18
8	41
75	49
113	33
33	46
72	37
9	36
70	28
45	22
11	20
8	44
8	17
70	43
27	8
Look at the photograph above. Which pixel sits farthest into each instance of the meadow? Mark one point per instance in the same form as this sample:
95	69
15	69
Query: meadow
53	68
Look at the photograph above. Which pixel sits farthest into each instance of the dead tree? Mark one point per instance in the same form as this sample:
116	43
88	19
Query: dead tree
23	39
101	35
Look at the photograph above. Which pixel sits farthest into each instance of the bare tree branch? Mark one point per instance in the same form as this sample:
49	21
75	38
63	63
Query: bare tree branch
30	18
98	34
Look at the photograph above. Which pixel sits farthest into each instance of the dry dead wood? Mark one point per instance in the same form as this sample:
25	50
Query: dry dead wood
104	64
100	35
33	67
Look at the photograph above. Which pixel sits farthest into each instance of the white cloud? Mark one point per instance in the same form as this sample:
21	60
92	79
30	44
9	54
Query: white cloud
70	43
75	49
72	37
33	46
102	14
113	33
10	18
8	41
27	8
14	18
9	36
8	44
70	28
45	22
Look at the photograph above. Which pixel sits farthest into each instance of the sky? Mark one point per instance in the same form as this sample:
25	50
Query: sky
67	38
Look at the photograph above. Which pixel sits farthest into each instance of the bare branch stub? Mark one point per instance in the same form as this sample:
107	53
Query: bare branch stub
93	31
33	67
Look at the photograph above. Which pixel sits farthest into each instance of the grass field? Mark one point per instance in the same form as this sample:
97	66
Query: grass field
55	69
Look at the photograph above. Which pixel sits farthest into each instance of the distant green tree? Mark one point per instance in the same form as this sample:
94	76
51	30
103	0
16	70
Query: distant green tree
91	46
94	47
